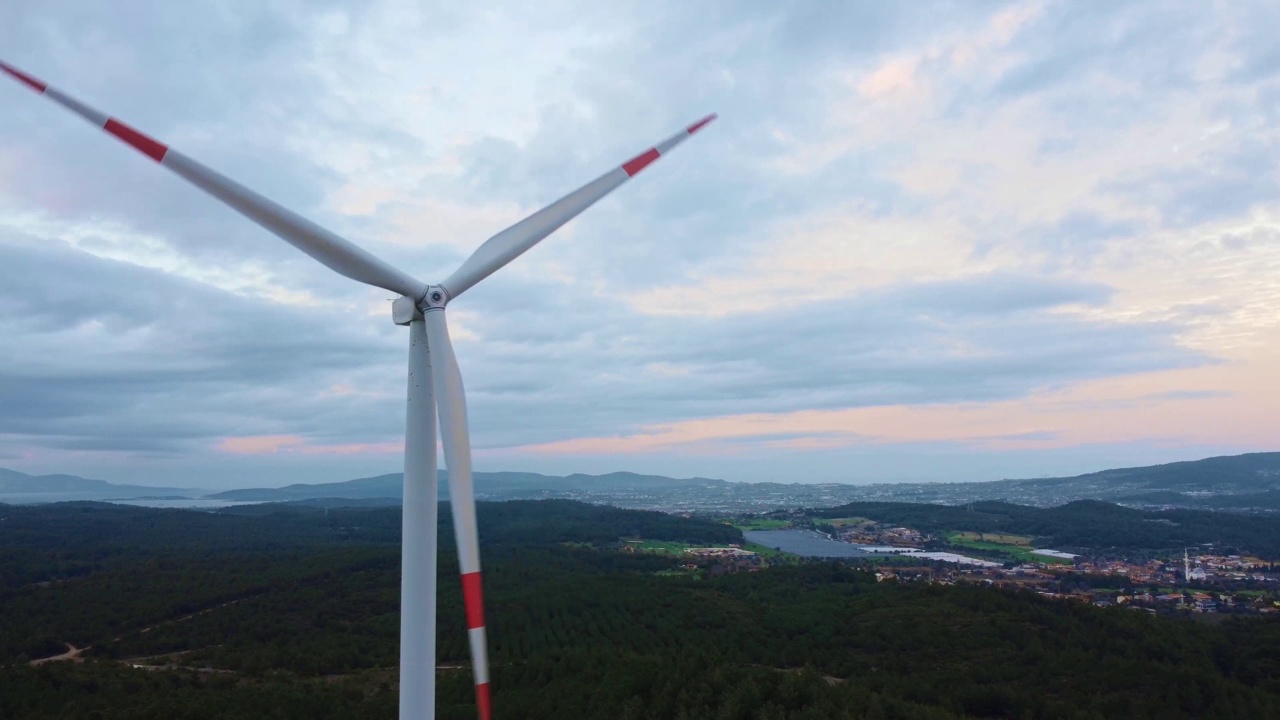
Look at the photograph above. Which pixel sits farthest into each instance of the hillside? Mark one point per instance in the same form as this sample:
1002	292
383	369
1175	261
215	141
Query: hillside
1241	482
1084	525
1227	475
16	483
488	485
295	609
1238	482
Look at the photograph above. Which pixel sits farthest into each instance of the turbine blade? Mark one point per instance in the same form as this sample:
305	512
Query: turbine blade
338	254
509	244
452	403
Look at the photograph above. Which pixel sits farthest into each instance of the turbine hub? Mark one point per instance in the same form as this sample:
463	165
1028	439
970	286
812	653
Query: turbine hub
435	299
405	309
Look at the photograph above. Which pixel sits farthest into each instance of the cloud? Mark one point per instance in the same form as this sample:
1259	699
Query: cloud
892	77
173	364
288	444
260	444
103	354
906	208
1091	414
979	338
1080	235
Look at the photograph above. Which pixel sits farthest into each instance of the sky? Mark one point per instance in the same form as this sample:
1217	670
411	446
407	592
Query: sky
923	242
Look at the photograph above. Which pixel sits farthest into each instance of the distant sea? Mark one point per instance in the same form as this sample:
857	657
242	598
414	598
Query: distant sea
168	501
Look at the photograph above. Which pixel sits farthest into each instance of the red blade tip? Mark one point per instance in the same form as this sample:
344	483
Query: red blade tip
23	77
701	123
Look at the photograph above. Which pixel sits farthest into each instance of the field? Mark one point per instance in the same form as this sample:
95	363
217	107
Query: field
997	538
1017	547
761	524
665	547
766	552
847	522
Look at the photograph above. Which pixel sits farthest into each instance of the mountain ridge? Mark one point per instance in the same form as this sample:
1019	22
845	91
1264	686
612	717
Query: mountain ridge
1221	481
488	485
20	483
1247	481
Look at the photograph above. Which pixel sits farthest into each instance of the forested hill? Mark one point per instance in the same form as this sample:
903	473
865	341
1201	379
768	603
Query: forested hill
14	482
36	541
289	612
488	485
1244	481
1251	472
491	485
1085	524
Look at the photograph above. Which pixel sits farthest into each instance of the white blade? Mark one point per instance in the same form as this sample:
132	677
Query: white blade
512	242
452	402
338	254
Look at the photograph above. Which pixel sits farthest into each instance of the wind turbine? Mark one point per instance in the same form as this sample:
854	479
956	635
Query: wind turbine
433	374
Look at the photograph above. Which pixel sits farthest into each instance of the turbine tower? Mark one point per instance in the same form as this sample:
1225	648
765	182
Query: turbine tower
435	382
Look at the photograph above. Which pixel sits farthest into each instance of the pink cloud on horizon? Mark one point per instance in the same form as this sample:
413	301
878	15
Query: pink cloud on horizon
1230	404
1234	408
298	445
259	444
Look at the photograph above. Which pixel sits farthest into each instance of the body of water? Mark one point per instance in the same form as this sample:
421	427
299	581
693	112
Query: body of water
808	543
181	502
804	542
159	502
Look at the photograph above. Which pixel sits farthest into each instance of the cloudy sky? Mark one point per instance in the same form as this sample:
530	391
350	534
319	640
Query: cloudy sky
924	241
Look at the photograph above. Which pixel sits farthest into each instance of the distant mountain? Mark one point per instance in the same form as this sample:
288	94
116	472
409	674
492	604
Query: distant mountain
1231	474
1235	482
380	486
1083	526
488	486
1250	481
1239	482
13	482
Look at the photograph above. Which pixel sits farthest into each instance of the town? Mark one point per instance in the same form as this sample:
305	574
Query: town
1196	580
1220	584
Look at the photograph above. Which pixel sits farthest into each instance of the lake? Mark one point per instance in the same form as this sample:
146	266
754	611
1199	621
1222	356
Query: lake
804	542
808	543
159	502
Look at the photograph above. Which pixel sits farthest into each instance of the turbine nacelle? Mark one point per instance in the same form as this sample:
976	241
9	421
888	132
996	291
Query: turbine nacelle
404	310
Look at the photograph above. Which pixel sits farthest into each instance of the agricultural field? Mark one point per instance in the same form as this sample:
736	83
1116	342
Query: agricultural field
997	538
768	553
848	522
761	524
666	547
1016	547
